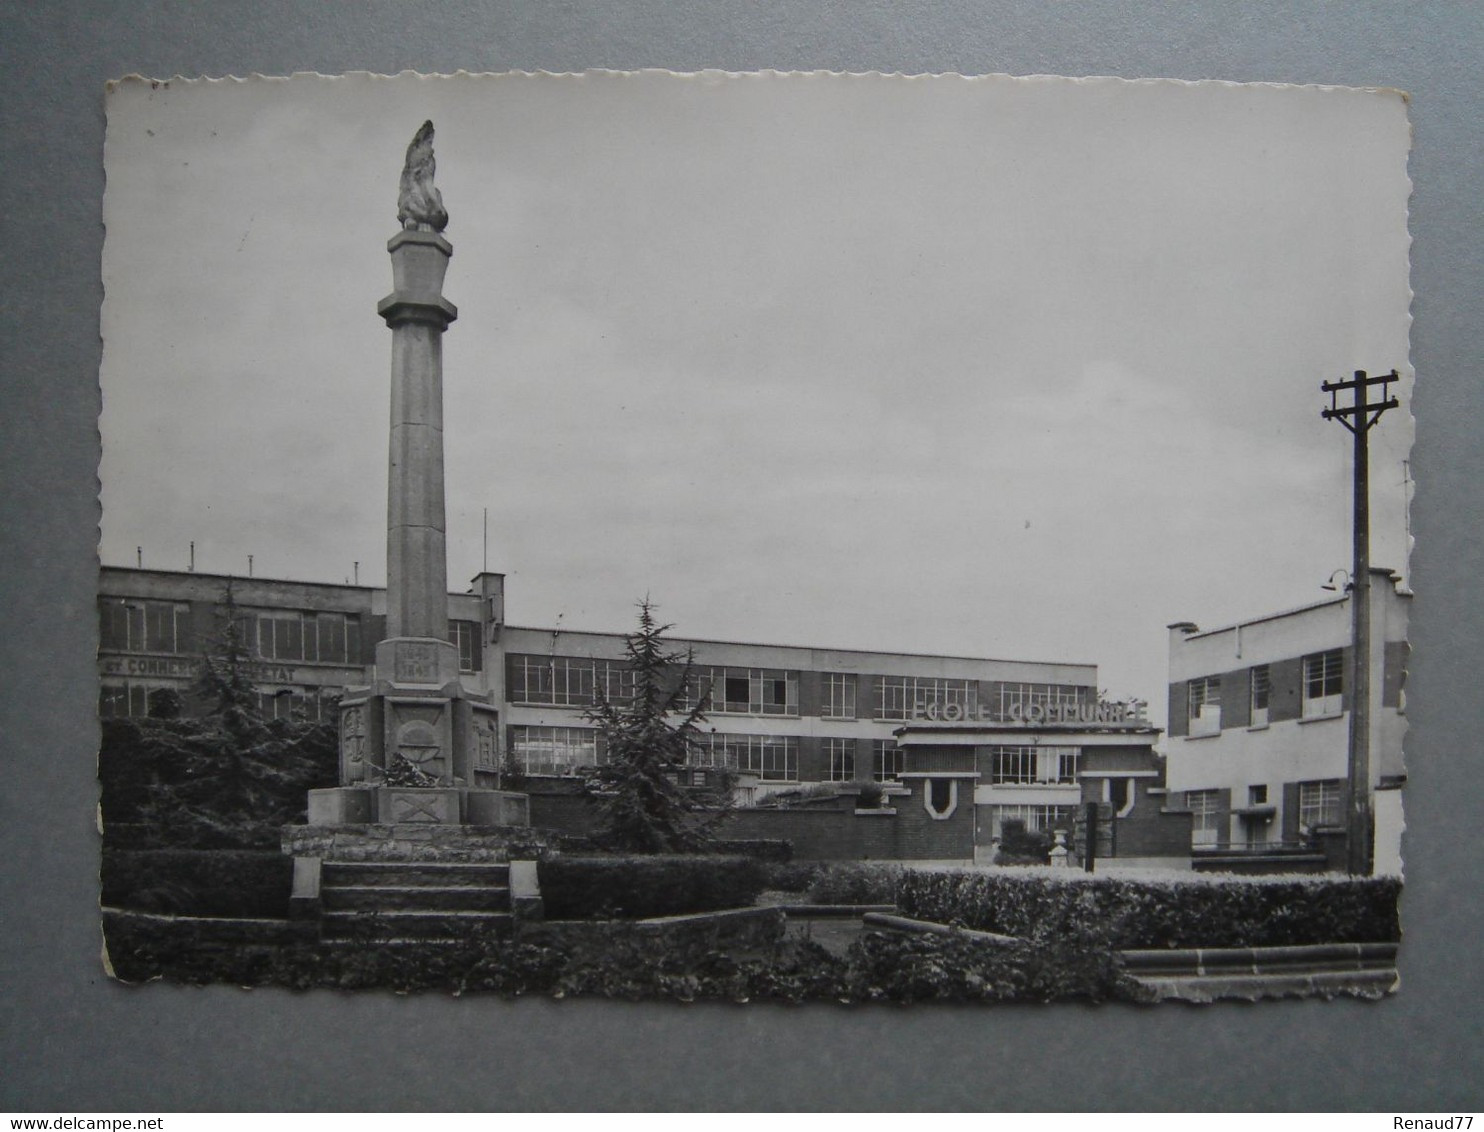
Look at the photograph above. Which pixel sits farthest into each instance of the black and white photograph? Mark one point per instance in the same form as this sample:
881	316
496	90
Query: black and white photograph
748	537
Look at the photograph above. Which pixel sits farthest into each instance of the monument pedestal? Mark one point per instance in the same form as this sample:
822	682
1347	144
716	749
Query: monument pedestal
416	715
416	748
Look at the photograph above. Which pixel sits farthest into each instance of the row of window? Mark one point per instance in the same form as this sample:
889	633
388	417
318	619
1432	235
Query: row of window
1319	805
567	681
772	758
136	700
279	635
1323	687
1034	766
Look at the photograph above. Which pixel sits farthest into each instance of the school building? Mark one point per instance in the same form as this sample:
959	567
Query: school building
1259	726
783	718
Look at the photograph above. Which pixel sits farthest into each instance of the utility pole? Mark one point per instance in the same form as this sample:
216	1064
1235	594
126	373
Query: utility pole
1359	417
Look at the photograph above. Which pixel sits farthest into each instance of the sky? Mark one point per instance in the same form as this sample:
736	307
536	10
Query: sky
1015	368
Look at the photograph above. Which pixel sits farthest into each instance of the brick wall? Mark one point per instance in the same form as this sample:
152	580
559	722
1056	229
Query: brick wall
1146	832
911	833
829	832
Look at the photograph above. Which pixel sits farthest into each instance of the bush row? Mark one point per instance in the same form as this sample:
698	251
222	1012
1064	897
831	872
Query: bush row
1257	912
583	888
880	967
198	882
856	884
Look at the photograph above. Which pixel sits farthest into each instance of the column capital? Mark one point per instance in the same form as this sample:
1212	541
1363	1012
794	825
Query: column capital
401	307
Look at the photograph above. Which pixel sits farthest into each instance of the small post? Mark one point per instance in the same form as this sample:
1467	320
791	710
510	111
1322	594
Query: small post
249	565
1091	810
357	567
193	556
139	557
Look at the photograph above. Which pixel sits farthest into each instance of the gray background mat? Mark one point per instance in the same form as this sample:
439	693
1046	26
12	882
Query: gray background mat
72	1041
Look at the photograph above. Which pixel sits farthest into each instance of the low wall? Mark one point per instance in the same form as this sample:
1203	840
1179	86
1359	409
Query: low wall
823	830
902	832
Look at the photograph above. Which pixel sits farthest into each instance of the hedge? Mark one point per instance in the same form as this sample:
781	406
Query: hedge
856	884
198	882
582	888
879	967
1130	913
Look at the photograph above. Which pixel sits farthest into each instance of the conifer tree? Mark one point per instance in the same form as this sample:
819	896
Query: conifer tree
645	803
230	775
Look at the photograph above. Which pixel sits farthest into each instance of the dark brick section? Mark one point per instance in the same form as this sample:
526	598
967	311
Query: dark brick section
944	759
1135	756
1286	689
838	833
1149	831
1179	715
562	806
809	693
1236	698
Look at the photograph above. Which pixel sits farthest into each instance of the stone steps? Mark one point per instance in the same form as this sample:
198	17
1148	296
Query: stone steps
420	874
403	900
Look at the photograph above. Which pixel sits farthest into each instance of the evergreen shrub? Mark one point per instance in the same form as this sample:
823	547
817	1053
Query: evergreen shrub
199	882
1132	913
585	888
856	884
879	967
794	876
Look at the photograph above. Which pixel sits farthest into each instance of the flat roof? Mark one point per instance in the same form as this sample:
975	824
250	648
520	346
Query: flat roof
683	638
1383	571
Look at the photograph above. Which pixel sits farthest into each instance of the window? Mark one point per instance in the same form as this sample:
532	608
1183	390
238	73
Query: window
1261	684
465	634
1068	763
1034	766
906	697
1205	805
1257	795
940	797
338	637
841	756
1205	705
568	681
839	696
1319	804
773	758
1006	695
886	760
1323	683
330	638
1013	766
144	626
748	691
295	703
125	700
554	750
1037	819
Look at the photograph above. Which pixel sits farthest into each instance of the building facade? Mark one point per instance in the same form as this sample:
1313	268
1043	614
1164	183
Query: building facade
1259	725
780	716
1040	770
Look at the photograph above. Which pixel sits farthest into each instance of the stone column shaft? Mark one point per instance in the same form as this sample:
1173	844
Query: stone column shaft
417	560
